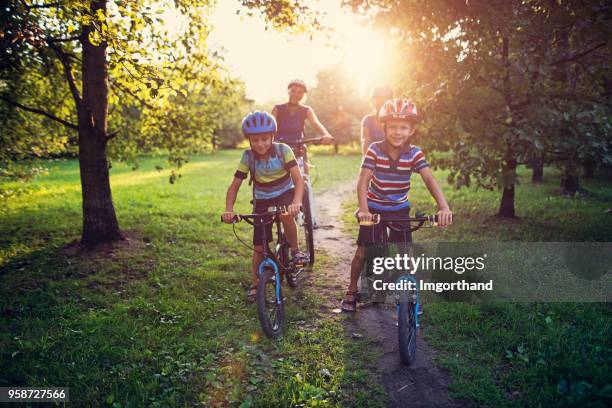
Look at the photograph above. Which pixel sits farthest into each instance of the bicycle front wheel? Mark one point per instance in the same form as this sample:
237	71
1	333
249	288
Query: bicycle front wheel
406	318
308	227
270	303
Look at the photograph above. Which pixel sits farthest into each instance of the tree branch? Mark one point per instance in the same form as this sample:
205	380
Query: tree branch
40	112
579	55
40	6
71	82
129	92
52	40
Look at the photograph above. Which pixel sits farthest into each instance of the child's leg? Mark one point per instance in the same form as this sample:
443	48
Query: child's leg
356	266
257	258
349	303
290	231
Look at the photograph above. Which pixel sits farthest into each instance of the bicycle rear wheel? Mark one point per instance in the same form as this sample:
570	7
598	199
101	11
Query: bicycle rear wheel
282	254
270	306
308	227
407	331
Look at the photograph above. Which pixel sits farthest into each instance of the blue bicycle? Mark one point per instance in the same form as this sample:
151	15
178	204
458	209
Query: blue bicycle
407	301
274	266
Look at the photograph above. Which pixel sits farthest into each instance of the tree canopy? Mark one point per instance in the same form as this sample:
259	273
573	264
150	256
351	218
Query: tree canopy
503	82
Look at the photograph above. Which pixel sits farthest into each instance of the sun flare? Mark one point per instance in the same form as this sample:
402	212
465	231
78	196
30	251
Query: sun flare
365	57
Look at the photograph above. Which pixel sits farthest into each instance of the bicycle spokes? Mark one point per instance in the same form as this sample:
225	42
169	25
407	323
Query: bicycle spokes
270	301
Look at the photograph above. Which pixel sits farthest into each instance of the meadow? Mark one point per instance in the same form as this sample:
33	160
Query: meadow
161	319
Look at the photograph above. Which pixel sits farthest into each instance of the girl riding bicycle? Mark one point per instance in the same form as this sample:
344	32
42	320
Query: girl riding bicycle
384	183
277	182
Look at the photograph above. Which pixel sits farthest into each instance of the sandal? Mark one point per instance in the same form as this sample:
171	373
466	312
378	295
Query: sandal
299	258
252	294
349	303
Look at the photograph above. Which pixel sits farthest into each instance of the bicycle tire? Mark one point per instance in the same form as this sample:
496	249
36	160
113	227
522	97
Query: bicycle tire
407	331
266	295
308	227
282	254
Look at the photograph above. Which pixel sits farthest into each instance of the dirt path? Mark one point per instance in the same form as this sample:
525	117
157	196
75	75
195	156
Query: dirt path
422	384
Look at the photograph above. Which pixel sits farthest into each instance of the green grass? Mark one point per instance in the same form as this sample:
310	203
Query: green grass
540	354
162	320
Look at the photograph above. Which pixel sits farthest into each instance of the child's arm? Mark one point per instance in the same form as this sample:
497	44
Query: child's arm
445	215
230	199
298	182
362	194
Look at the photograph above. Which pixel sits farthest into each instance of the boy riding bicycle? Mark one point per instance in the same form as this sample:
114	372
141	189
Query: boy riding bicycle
276	182
384	183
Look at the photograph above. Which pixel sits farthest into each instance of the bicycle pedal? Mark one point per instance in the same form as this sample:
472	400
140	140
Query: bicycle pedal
299	264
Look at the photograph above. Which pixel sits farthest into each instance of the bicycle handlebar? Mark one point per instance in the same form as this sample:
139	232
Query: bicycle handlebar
266	218
311	140
377	219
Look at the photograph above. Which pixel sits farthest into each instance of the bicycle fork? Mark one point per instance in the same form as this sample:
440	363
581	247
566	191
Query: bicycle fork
262	266
414	298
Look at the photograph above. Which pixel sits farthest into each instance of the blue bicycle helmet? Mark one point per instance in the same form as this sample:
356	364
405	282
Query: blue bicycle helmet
258	122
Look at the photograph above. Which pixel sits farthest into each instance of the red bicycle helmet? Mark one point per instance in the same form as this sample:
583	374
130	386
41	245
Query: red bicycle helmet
398	109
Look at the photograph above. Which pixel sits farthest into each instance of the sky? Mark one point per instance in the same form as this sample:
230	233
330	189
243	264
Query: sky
268	60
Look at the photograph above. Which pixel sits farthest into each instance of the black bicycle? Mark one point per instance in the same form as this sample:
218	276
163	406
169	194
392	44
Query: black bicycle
307	222
275	265
407	300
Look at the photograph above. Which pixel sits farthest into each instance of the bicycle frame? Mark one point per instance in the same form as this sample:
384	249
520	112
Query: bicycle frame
415	296
407	304
269	258
387	224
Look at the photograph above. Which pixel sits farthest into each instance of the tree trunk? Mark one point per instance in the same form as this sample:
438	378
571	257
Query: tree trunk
588	169
99	218
506	208
570	184
538	171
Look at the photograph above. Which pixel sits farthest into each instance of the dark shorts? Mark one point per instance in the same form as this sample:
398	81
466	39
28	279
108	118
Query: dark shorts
262	206
374	234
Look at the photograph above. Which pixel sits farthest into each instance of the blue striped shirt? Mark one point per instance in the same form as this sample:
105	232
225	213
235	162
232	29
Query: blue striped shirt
271	178
390	182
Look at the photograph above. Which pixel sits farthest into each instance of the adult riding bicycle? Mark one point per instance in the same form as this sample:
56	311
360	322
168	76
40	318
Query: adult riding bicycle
407	300
275	265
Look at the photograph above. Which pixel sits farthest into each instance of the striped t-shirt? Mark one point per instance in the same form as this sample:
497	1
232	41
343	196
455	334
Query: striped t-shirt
390	182
272	176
